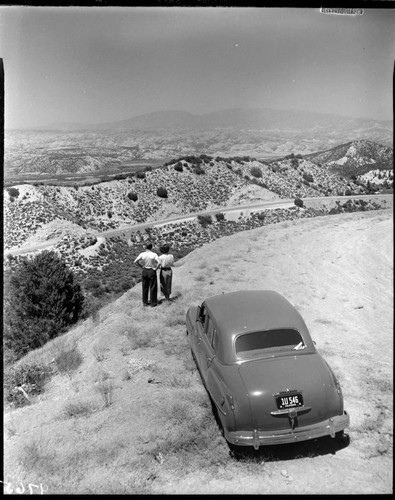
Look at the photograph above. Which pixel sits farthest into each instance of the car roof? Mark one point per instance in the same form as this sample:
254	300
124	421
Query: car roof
253	310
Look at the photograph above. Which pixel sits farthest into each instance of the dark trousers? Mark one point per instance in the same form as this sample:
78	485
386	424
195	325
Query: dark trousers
166	276
150	286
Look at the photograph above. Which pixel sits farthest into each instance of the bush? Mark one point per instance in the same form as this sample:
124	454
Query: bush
13	192
178	167
132	196
256	171
298	202
140	175
261	216
68	360
161	192
31	377
198	170
220	216
204	220
294	163
41	300
308	177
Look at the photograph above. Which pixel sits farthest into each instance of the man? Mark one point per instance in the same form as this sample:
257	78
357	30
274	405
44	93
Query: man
149	262
166	273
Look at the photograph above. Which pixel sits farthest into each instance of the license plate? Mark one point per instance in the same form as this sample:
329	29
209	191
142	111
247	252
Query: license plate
291	401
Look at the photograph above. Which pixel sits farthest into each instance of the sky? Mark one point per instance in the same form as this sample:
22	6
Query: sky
103	64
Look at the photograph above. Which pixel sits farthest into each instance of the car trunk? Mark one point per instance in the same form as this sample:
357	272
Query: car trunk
307	375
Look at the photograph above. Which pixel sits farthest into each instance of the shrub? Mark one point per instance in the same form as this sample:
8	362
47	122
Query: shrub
140	175
294	163
204	220
308	177
78	409
109	214
256	171
68	360
220	216
42	299
105	388
347	192
31	377
161	192
13	192
178	167
132	196
198	170
298	202
261	216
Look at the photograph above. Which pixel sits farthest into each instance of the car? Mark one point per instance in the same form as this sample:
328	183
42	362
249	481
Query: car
267	382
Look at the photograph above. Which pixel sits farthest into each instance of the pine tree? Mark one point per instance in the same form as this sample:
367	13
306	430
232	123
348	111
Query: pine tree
42	299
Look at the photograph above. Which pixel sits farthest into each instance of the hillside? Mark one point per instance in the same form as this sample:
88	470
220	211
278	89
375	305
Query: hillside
355	158
200	183
134	418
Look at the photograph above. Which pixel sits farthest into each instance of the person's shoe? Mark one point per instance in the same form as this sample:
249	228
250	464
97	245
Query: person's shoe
154	305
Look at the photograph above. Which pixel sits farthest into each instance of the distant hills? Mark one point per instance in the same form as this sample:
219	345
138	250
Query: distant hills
264	134
237	118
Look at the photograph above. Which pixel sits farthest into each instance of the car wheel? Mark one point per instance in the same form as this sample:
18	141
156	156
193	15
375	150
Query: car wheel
342	437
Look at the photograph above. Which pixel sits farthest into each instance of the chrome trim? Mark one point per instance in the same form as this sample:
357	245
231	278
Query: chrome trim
285	411
325	428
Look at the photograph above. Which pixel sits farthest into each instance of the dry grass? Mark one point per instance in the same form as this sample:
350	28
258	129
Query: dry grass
75	409
105	387
99	351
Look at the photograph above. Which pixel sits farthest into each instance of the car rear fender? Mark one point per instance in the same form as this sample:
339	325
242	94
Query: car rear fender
229	397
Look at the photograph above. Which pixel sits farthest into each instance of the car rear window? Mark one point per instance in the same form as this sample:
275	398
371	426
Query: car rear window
282	339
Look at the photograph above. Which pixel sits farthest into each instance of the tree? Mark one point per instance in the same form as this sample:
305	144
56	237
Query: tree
42	299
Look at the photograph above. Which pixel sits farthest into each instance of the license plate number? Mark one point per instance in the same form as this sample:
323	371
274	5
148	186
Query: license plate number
289	401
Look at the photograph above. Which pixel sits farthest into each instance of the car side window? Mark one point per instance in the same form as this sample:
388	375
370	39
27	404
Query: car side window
202	315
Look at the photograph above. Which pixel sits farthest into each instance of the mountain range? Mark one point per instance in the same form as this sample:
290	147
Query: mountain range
236	118
261	133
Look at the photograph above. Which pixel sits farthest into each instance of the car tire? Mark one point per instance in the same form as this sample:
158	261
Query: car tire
342	437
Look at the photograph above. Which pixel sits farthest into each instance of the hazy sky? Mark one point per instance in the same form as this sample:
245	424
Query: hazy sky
92	65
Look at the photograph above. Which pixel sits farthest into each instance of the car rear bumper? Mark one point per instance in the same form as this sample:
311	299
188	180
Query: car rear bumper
258	438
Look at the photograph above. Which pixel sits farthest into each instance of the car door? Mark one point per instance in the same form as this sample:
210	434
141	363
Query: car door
205	350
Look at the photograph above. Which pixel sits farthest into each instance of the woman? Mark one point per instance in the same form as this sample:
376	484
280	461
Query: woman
166	260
